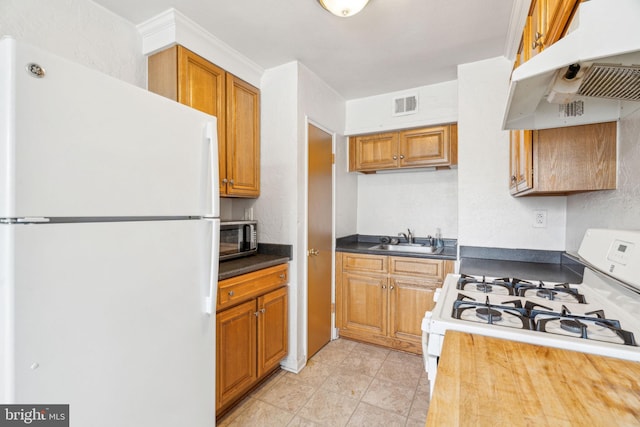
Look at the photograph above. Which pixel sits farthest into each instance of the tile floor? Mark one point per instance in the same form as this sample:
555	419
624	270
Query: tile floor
344	384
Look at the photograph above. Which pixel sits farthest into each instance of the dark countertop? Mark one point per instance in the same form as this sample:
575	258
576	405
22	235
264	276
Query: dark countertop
552	266
268	255
358	243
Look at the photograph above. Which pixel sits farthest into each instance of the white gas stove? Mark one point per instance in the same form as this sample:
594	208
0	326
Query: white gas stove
601	315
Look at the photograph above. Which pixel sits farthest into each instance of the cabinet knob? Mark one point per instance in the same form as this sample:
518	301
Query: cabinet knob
313	252
230	293
263	310
257	313
225	180
513	178
391	287
402	156
395	157
384	286
282	276
231	182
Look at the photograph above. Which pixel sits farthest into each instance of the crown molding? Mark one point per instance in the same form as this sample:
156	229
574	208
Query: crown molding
518	18
171	27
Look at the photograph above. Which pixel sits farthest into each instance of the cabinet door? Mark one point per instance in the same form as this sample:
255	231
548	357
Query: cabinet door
409	298
235	351
364	304
373	152
520	163
272	329
243	139
425	147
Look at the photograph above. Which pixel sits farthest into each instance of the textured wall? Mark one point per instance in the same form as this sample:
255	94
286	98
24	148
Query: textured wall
389	203
78	30
614	208
488	215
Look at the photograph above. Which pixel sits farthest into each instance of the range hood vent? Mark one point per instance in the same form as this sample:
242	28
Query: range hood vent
612	82
591	75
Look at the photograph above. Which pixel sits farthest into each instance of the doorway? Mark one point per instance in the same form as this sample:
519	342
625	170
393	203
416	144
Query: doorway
319	238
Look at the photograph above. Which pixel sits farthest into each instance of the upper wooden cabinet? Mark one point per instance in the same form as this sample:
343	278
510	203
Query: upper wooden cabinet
564	160
411	148
183	76
547	22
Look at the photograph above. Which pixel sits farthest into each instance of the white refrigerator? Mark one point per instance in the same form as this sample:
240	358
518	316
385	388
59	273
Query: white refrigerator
109	246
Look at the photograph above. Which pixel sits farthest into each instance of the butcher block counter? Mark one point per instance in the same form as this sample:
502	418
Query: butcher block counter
485	381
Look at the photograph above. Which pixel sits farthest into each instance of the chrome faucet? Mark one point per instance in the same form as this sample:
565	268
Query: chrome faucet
408	236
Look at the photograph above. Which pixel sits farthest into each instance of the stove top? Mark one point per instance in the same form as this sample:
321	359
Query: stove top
530	313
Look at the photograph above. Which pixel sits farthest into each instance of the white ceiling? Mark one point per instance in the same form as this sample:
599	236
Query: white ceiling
391	45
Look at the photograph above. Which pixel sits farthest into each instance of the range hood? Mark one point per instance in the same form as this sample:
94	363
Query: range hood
591	75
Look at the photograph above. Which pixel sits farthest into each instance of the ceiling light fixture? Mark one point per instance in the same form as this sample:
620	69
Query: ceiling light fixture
343	8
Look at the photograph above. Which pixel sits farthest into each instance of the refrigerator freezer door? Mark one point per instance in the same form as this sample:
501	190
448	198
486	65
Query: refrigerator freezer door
108	317
78	143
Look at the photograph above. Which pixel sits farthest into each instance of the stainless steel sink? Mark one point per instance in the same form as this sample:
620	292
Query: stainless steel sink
408	247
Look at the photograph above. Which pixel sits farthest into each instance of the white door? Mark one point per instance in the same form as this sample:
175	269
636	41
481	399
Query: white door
78	143
108	317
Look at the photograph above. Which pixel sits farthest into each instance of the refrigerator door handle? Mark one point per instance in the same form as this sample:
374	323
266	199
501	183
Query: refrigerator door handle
211	297
214	186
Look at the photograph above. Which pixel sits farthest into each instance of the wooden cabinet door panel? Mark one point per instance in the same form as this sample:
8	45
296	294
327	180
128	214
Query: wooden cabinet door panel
364	263
243	136
373	152
409	298
424	147
235	351
364	303
272	329
424	268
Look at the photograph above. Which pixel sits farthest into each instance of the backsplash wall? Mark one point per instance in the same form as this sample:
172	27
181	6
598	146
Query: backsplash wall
618	208
389	203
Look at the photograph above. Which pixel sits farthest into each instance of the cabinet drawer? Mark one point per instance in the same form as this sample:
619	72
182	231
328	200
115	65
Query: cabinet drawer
241	288
363	262
424	268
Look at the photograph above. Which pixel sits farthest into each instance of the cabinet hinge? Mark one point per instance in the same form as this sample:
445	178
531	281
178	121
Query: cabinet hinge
333	159
333	307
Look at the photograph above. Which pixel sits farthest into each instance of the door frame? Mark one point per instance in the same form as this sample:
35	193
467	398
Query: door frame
305	237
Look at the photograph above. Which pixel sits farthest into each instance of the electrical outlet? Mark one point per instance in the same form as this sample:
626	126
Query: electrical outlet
540	218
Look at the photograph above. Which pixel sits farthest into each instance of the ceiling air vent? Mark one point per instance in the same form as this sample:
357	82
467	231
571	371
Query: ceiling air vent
612	81
405	105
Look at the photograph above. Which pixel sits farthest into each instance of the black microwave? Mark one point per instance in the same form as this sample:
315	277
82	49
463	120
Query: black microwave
238	238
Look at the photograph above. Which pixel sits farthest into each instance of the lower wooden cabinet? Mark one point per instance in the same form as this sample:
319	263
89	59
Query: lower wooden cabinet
251	332
382	299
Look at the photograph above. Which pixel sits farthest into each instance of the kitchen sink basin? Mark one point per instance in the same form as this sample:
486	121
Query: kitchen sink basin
408	247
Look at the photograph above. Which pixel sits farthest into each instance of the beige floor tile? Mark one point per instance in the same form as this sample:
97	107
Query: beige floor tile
257	413
409	359
342	344
331	354
390	396
328	408
315	373
401	373
301	422
347	382
361	364
371	416
420	404
288	393
414	423
371	351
